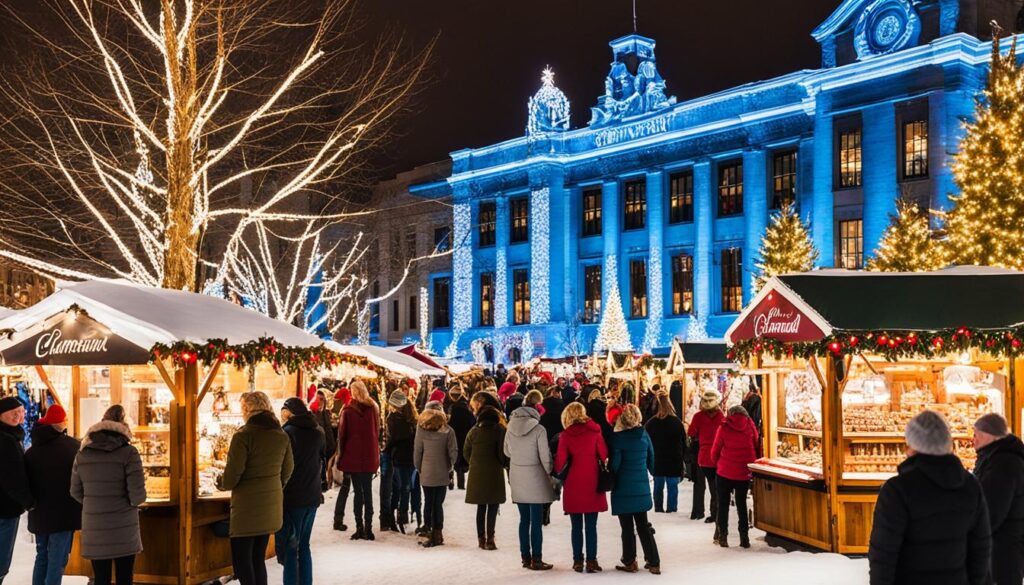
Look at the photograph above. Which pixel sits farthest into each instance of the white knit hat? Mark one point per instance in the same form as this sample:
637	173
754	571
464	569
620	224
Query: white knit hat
928	434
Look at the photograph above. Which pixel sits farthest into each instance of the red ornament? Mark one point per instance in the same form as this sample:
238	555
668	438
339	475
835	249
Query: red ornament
853	340
937	342
882	340
1015	343
835	348
892	343
990	343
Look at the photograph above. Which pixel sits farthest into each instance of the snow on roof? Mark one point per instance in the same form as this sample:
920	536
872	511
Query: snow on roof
388	359
949	271
147	316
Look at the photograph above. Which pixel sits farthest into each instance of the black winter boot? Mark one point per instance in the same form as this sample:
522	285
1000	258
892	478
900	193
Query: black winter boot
358	534
489	544
717	532
339	524
744	540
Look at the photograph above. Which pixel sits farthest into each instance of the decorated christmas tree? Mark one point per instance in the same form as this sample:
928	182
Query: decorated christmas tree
697	330
785	247
907	245
612	333
986	224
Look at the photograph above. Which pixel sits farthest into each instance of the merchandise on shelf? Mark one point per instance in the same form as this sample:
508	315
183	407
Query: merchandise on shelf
802	400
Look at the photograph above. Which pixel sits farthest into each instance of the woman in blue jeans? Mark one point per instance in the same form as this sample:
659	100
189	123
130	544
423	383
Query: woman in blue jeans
396	479
580	449
669	440
526	446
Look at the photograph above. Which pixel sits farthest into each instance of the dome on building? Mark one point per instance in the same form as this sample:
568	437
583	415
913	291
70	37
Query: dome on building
548	109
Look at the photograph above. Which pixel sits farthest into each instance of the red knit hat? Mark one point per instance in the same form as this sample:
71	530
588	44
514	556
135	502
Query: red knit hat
54	415
437	395
344	395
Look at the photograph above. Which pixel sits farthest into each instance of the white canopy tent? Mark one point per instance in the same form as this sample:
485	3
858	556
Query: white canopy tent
388	359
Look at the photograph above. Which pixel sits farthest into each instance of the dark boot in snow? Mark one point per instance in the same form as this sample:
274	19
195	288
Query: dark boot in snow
744	540
339	525
539	565
358	534
628	567
716	535
489	545
526	561
723	540
593	567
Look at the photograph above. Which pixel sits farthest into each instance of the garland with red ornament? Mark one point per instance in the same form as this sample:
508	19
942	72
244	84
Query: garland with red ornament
281	357
891	344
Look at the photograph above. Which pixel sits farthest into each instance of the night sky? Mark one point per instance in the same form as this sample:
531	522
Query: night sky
490	54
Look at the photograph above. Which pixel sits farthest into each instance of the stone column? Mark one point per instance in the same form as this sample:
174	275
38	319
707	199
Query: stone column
569	231
655	254
703	213
879	171
610	211
755	214
822	228
501	276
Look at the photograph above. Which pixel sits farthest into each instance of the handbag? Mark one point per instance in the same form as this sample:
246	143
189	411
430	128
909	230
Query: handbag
605	477
561	474
337	475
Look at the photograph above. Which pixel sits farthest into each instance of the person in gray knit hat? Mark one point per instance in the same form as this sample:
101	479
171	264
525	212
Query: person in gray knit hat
931	524
1000	470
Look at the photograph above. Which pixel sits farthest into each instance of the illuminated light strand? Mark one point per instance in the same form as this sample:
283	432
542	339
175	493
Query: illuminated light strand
462	276
612	333
907	244
540	256
500	290
785	247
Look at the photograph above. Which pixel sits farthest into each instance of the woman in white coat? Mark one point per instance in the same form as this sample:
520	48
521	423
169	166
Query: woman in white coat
526	446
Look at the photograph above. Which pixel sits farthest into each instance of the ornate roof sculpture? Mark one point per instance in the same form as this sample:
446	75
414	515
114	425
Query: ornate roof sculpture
633	87
548	109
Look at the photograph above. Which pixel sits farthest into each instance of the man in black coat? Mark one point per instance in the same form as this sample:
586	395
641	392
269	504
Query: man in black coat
15	492
302	495
553	405
461	420
931	523
56	515
1000	469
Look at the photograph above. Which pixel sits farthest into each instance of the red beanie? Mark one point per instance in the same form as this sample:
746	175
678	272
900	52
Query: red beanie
54	415
344	395
437	395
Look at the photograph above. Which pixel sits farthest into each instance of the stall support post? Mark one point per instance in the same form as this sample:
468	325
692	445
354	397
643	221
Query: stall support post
1013	408
187	382
831	430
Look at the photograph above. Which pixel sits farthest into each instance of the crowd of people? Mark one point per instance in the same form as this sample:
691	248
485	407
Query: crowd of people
528	439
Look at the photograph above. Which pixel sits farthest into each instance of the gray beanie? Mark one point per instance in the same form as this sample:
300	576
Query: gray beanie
928	434
398	399
992	424
434	405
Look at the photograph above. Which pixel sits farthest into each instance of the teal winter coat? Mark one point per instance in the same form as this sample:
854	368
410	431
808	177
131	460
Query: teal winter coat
631	461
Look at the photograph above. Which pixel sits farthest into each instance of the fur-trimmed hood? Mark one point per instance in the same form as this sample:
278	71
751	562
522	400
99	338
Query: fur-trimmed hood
432	420
107	435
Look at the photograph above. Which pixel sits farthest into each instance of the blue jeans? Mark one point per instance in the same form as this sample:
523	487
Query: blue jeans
292	543
403	493
578	522
387	485
660	483
52	551
416	494
8	532
531	538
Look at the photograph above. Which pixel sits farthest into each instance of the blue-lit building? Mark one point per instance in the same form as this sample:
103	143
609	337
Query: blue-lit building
665	202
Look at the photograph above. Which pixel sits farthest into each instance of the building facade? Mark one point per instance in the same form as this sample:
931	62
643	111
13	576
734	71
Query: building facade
657	207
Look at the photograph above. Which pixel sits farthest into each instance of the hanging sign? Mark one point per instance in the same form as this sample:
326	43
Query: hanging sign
775	316
75	340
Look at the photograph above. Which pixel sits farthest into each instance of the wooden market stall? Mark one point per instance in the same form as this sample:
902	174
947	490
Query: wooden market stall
178	362
850	358
700	366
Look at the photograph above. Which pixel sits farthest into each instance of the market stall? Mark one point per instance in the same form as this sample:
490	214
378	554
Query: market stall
700	366
178	362
850	357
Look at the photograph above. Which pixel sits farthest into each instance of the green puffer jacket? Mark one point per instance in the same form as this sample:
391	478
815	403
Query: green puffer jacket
259	465
484	450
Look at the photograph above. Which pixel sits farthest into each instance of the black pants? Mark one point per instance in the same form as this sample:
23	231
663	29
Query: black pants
486	518
362	494
643	528
727	487
706	477
460	478
342	501
249	559
433	507
124	567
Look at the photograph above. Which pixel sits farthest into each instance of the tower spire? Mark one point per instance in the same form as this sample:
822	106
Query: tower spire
634	16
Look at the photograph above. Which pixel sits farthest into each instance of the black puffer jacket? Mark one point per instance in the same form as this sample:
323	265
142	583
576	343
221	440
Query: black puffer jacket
461	420
931	526
401	435
596	409
15	493
1000	469
308	451
669	440
551	420
49	463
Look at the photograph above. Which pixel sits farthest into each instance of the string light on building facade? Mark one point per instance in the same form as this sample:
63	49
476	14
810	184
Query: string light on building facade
540	256
655	314
612	333
548	109
424	318
500	290
462	276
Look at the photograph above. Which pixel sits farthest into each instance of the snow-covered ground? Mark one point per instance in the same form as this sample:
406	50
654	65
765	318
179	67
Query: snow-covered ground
685	547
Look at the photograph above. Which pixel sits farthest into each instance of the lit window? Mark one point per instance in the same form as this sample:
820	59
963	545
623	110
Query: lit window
520	217
682	284
488	215
730	189
915	149
732	280
783	179
637	289
680	201
442	302
592	293
592	212
520	296
487	299
851	244
850	158
635	205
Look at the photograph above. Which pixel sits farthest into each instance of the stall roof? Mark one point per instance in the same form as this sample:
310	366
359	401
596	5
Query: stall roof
389	359
712	352
410	350
968	296
146	316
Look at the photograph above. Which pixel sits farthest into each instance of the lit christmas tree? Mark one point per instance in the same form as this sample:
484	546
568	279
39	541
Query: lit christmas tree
612	333
697	330
907	245
986	224
785	247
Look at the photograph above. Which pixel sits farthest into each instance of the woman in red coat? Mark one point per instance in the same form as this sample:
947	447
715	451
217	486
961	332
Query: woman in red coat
359	454
581	446
734	449
703	428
